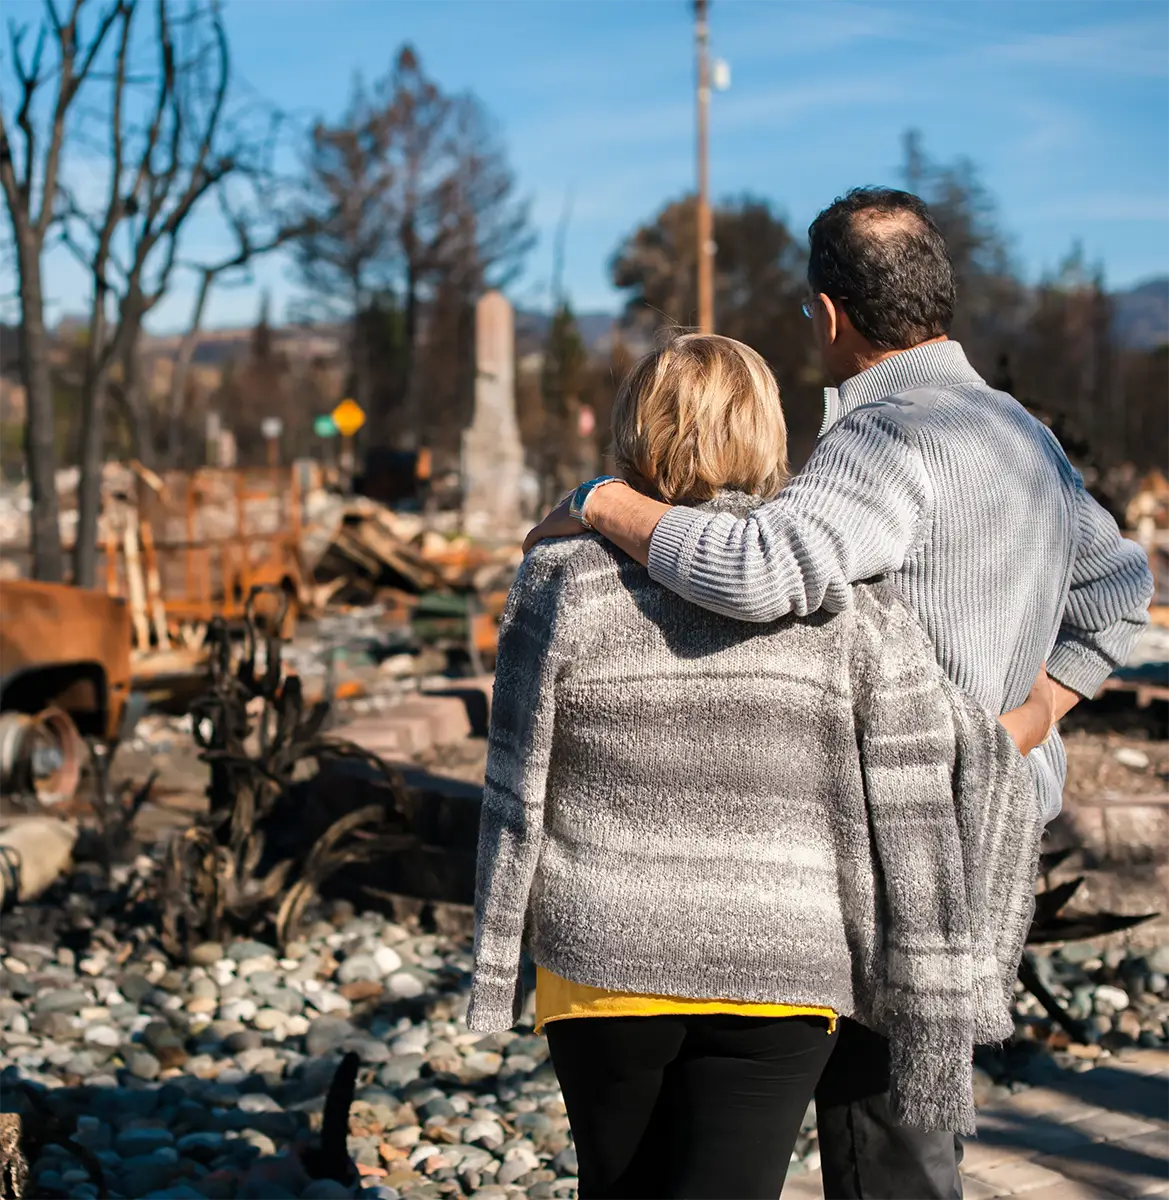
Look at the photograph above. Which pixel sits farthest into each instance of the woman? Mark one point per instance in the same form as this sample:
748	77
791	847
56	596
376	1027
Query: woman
716	837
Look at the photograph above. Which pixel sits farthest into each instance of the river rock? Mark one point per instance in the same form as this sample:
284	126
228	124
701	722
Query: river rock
132	1143
162	1041
143	1065
1111	999
326	1034
405	986
326	1189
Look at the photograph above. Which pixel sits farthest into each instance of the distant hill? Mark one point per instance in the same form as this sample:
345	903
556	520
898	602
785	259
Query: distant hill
1141	319
217	347
596	330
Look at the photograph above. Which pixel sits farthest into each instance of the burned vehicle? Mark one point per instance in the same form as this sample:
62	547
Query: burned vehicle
64	677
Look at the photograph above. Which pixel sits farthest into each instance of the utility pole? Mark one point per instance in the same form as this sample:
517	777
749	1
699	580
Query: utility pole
704	223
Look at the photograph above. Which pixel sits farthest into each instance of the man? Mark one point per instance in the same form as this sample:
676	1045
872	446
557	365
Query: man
925	474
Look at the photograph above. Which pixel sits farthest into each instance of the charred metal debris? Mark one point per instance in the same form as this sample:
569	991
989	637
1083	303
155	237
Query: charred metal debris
232	871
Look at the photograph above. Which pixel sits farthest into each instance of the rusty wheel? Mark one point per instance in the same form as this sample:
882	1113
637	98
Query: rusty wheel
42	754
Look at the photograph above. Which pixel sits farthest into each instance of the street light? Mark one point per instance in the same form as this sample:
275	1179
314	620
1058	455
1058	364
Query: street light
703	222
717	75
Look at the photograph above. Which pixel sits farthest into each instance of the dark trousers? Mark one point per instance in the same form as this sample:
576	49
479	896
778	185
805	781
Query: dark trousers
686	1106
864	1153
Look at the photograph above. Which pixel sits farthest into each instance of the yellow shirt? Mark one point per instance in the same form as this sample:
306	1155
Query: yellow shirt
560	999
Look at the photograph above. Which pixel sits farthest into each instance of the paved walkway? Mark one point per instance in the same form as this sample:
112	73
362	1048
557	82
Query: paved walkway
1100	1135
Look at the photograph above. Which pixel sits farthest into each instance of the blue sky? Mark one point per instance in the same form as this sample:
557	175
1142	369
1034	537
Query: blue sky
1063	105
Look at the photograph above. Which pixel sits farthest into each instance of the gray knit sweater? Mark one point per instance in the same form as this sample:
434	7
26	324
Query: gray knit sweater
927	475
805	812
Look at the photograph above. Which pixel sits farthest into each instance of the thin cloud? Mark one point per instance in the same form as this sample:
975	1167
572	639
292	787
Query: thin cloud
604	125
1106	206
793	31
1129	48
771	108
1043	128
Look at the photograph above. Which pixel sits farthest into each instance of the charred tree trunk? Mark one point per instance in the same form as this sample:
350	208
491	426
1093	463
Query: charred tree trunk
360	365
409	403
23	177
48	559
176	400
93	439
93	436
137	399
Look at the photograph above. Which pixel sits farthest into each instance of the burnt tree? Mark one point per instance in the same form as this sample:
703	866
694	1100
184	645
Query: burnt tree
344	200
257	229
414	202
30	174
759	283
173	138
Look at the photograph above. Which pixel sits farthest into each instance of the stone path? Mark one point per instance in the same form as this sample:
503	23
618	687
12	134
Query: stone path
1099	1135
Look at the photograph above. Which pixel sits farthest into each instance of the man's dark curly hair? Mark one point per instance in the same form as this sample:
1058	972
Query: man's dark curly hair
878	252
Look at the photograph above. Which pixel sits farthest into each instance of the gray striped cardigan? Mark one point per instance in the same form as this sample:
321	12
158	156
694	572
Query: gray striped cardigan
802	812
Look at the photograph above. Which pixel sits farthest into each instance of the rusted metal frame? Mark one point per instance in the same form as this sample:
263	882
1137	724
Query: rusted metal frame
111	552
296	501
189	551
243	564
238	574
1145	693
211	881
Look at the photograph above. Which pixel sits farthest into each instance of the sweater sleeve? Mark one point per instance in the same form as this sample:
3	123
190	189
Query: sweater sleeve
1107	605
533	647
906	741
853	513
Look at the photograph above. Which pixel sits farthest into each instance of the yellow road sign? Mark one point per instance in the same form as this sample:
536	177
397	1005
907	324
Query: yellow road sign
349	417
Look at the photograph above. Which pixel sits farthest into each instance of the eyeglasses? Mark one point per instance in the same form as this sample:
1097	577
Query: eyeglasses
809	306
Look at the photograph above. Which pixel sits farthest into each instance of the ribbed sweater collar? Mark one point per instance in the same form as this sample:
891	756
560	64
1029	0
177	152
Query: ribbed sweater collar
937	363
738	504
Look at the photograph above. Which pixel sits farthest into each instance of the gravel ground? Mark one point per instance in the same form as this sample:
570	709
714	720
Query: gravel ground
208	1079
201	1080
1122	762
1119	996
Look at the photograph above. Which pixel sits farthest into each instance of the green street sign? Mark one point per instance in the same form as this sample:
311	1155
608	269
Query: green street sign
325	426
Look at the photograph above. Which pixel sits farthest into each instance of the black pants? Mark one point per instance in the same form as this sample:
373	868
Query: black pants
687	1106
864	1153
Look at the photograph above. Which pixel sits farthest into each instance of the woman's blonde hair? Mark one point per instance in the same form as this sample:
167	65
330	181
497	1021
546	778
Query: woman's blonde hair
699	416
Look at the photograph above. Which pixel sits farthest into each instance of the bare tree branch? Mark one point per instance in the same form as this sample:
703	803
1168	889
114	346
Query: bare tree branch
247	249
67	87
30	80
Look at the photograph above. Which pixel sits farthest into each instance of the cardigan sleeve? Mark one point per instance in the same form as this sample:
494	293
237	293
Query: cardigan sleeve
1002	821
534	645
905	736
